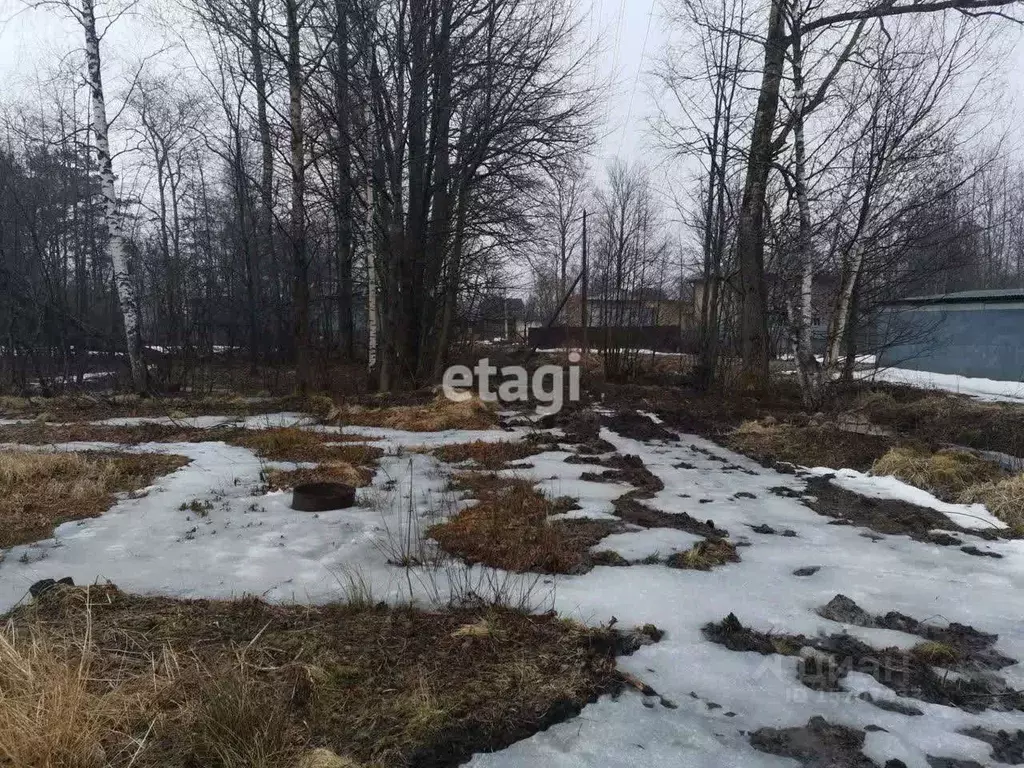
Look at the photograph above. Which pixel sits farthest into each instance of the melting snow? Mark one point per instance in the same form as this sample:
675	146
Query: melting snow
253	543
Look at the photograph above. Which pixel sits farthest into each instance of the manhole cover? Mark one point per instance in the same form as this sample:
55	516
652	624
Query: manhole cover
323	497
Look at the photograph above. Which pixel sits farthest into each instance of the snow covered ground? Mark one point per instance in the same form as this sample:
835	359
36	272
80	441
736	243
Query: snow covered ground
250	543
982	389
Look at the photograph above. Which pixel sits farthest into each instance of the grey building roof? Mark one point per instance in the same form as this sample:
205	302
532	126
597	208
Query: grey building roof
1000	295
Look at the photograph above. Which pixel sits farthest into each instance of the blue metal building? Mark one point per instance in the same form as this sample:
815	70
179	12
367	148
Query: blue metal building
971	333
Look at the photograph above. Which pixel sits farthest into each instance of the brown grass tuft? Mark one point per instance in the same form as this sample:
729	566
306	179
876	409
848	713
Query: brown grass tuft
1003	498
301	445
936	654
39	491
439	415
947	474
381	686
509	528
328	472
705	555
809	446
488	455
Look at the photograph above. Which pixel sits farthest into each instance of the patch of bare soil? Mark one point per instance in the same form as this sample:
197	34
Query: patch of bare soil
826	661
636	426
819	744
243	683
956	646
888	516
629	470
635	512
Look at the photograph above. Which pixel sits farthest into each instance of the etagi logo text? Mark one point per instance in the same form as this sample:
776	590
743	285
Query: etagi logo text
547	386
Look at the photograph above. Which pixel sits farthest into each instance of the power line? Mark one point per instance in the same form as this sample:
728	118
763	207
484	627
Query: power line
636	80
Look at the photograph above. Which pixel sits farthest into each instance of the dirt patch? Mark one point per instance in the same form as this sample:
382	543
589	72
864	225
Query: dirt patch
888	516
635	512
819	744
245	683
956	646
491	456
509	528
629	470
40	491
636	426
825	662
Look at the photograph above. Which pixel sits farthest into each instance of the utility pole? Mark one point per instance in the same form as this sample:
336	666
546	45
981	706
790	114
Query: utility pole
583	287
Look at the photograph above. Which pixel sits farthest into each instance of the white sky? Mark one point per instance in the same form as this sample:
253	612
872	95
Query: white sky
629	33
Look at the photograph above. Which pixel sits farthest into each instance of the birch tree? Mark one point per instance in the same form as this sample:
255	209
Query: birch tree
85	16
764	146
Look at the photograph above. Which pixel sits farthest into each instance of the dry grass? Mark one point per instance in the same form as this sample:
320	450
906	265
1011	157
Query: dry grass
96	677
809	446
948	419
39	491
490	455
301	445
52	712
67	408
1003	498
936	654
436	416
328	472
705	555
509	528
947	474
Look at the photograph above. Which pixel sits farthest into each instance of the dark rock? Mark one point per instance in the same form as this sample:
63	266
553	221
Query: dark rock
842	609
808	571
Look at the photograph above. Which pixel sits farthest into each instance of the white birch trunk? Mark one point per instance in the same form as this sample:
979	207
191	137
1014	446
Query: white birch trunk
842	318
115	244
811	379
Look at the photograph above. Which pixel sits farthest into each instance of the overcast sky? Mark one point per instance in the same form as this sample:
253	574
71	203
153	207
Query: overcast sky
628	32
31	41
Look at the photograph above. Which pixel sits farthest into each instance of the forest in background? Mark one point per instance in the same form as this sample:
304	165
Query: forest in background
345	181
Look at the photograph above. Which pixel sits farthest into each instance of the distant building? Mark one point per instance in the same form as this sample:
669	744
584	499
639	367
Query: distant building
497	317
971	333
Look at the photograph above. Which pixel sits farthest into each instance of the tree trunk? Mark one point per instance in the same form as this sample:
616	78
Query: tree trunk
115	245
344	190
300	267
750	228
